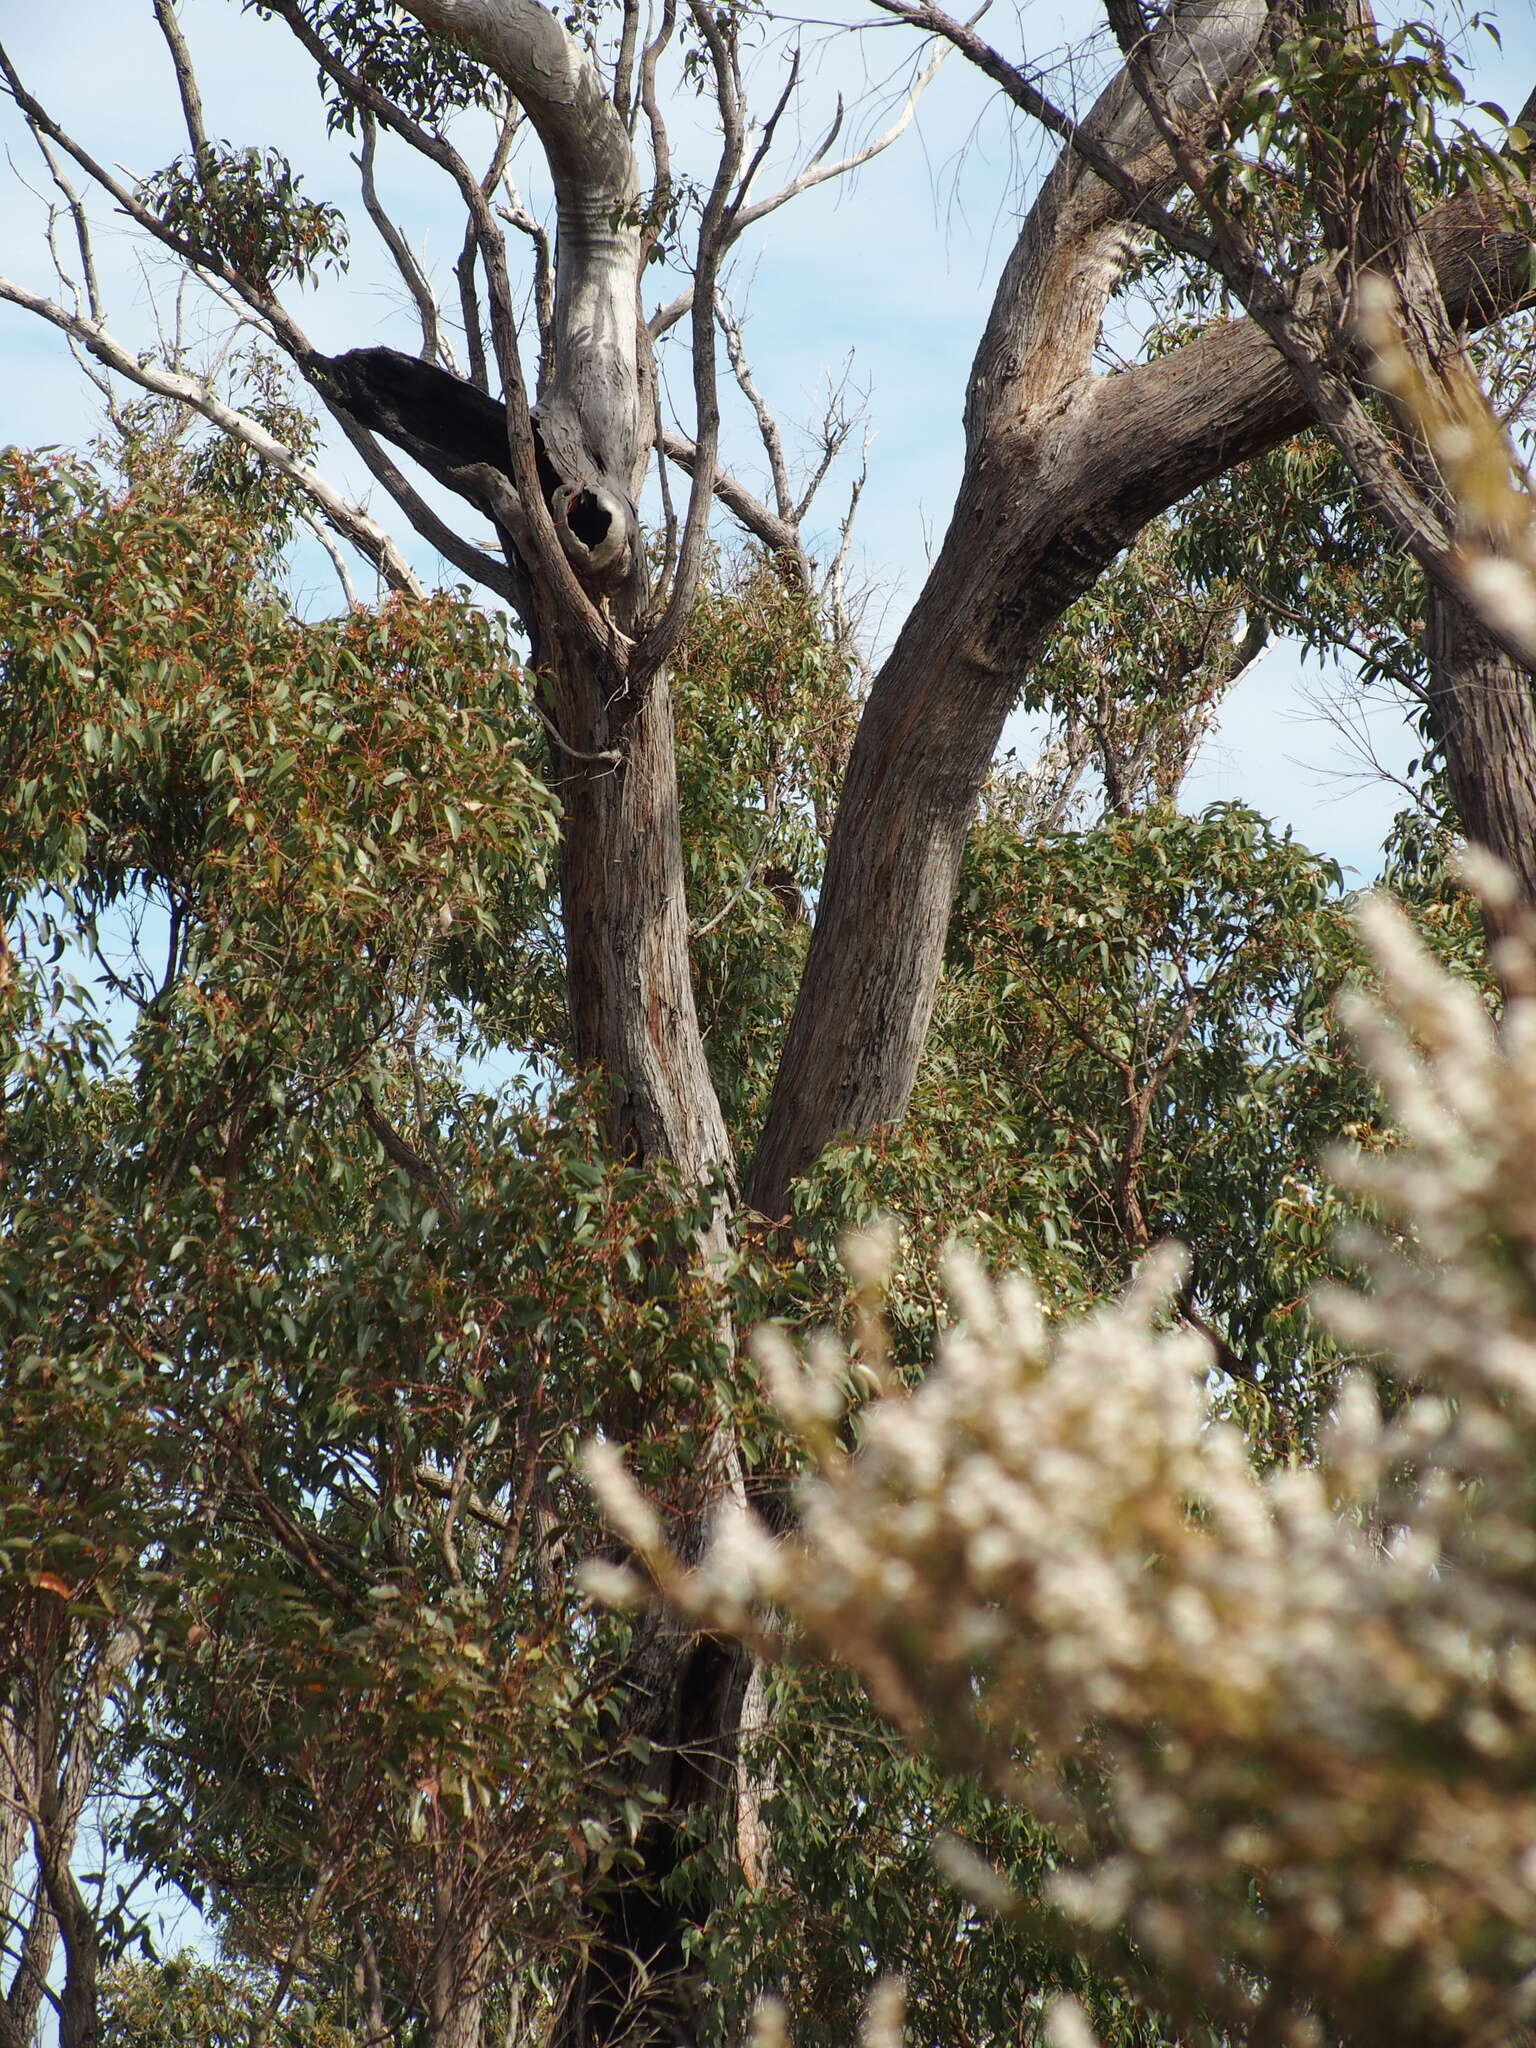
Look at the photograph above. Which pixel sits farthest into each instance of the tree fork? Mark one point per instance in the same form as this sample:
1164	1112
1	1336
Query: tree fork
1047	502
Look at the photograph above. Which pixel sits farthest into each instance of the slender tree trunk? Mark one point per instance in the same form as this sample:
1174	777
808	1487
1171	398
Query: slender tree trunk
79	2009
1484	719
29	1913
459	1975
625	912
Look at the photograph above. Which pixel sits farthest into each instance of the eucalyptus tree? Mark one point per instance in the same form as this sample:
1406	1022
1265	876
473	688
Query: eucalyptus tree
1063	466
548	428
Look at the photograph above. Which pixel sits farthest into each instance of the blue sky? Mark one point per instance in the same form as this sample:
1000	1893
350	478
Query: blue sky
886	276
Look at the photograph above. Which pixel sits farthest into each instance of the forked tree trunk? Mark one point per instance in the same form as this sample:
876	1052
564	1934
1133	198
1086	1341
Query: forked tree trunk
1067	477
1063	468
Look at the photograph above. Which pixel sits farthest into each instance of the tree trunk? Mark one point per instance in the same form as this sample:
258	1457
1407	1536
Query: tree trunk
1052	492
925	743
1063	467
625	915
625	912
32	1915
637	1983
79	2010
460	1969
1484	720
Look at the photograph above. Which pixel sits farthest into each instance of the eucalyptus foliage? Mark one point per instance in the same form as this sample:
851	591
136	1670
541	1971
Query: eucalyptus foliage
316	1274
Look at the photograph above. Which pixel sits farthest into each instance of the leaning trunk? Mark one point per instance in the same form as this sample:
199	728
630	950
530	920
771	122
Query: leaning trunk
1047	502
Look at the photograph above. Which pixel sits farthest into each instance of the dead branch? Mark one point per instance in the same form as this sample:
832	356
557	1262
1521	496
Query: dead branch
433	345
816	171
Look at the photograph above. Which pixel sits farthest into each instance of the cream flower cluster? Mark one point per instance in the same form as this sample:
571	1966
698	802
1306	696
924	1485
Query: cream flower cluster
1282	1724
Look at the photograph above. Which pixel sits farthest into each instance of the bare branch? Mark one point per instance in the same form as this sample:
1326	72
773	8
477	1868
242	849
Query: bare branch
749	876
835	583
929	19
480	567
770	128
664	631
624	65
661	147
767	425
349	520
82	226
664	486
433	345
836	425
469	309
253	293
186	77
517	215
606	757
338	562
776	534
815	172
464	269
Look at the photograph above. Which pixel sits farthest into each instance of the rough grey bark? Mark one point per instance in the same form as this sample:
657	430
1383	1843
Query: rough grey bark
625	913
622	885
460	1971
637	1982
33	1934
1483	715
590	413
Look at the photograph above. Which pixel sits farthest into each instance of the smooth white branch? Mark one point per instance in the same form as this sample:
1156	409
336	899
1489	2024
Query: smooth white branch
349	520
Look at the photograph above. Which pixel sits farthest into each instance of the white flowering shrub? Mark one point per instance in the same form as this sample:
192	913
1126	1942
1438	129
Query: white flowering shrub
1282	1724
